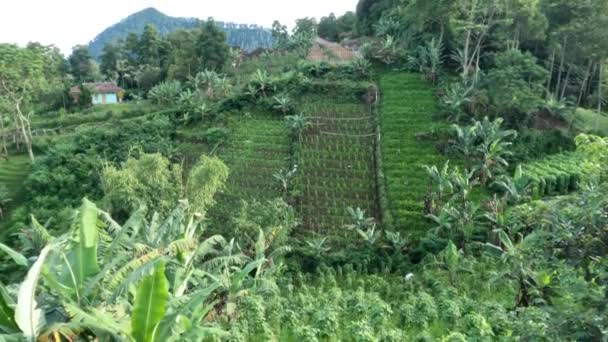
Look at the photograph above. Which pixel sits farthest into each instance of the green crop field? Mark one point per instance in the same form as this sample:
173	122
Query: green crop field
337	168
408	106
258	148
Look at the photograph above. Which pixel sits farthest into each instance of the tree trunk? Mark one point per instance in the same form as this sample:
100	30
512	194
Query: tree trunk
465	56
561	69
590	83
599	97
566	82
548	90
584	84
26	133
4	133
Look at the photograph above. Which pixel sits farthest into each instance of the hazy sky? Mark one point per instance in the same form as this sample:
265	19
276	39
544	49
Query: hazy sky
66	23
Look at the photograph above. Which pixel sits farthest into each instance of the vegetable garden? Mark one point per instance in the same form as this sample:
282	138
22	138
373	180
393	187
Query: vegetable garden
258	148
336	163
408	106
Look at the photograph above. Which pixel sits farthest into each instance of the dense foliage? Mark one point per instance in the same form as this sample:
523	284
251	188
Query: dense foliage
447	182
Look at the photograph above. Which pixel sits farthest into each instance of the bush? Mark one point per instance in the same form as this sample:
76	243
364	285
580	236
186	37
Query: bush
216	135
166	93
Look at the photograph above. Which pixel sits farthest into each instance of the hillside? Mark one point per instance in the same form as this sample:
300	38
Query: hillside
413	175
247	37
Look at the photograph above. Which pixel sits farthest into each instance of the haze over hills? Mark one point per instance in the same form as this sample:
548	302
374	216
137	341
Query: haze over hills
247	37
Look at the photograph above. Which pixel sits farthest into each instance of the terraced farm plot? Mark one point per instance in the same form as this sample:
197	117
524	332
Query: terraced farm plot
336	164
12	174
259	148
408	105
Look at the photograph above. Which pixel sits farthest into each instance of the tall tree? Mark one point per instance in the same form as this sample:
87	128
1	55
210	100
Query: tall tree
212	48
473	22
305	27
81	64
328	28
280	34
150	46
109	60
21	78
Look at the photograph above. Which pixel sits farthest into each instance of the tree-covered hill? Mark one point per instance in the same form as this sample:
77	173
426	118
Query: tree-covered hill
248	37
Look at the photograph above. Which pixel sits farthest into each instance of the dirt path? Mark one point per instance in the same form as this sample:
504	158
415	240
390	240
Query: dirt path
323	50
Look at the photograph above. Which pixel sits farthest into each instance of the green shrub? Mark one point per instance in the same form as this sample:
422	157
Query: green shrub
560	174
166	93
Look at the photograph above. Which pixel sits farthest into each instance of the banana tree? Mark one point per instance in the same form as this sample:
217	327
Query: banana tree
519	267
80	283
283	104
440	185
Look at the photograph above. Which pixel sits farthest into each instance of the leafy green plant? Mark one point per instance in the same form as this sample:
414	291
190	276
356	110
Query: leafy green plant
285	177
166	93
283	104
428	59
297	124
456	96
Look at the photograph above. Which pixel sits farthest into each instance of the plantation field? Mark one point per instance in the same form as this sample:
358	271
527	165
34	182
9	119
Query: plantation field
12	174
336	163
258	148
408	106
92	115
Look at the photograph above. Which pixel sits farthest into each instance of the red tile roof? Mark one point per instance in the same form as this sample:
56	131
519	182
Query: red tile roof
99	88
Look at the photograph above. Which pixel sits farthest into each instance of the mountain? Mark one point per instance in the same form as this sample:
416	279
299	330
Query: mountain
247	37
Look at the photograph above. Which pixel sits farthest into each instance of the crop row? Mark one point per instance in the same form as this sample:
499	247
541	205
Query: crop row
559	174
259	147
336	159
408	106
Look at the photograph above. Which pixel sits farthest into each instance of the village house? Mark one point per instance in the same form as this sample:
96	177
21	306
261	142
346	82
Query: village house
101	93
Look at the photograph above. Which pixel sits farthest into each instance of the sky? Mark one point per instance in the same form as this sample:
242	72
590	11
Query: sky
66	23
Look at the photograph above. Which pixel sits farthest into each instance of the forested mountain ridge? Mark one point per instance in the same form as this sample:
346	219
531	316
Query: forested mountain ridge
247	37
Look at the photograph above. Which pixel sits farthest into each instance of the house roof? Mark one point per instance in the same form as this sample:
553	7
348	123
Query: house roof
99	88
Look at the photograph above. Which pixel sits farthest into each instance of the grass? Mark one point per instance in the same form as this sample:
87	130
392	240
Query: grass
408	107
12	174
336	160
